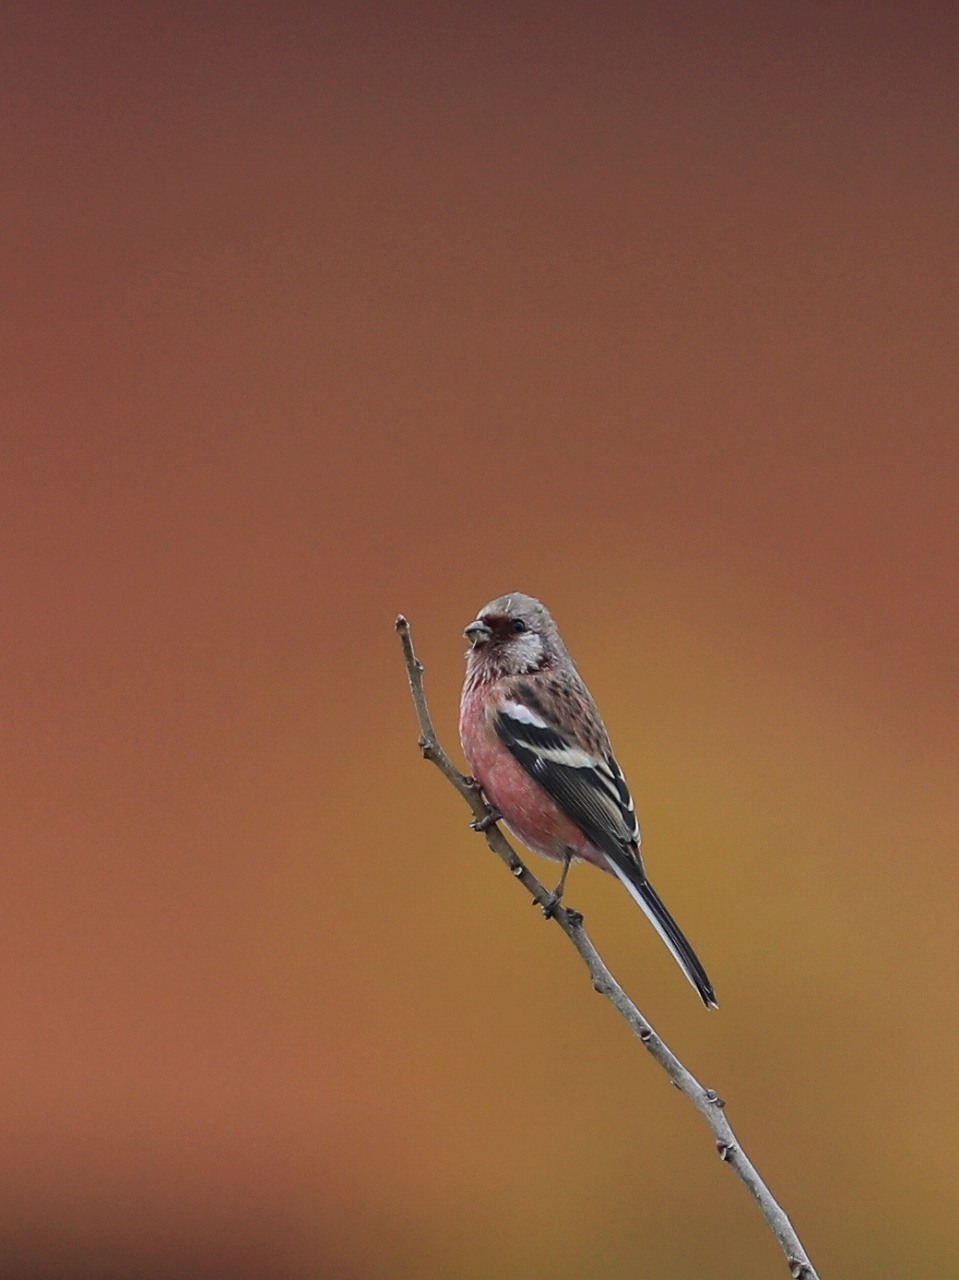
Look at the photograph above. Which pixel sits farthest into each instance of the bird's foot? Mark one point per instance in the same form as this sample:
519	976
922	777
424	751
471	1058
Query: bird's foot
552	902
554	899
488	820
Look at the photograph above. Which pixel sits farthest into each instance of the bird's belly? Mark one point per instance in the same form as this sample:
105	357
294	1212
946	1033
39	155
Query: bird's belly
527	809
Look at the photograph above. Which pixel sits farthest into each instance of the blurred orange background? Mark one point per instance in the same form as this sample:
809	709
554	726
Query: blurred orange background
317	313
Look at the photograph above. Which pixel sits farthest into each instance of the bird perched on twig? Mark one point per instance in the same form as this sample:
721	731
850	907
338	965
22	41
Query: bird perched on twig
537	745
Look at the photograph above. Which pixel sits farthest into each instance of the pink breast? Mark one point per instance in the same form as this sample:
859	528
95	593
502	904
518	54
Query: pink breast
526	808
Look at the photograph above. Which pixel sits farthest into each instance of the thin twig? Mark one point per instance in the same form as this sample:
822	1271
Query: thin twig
706	1101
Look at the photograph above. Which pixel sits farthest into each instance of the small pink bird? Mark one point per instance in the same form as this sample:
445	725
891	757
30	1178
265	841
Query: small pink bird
536	743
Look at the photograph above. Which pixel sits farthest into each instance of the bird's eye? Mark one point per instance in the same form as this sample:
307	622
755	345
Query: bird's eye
517	625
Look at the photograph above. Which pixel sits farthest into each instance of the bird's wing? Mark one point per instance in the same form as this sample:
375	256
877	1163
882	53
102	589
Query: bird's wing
589	787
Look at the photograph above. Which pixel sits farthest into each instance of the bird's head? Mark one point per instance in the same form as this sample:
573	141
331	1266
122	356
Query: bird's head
511	636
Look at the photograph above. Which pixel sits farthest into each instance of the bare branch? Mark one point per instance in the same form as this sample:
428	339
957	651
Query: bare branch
706	1101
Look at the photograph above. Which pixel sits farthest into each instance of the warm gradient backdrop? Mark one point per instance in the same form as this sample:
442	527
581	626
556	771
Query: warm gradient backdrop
314	313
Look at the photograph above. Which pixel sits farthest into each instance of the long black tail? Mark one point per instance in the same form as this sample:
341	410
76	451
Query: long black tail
668	930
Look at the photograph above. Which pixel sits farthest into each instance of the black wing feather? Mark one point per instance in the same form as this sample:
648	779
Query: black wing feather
595	797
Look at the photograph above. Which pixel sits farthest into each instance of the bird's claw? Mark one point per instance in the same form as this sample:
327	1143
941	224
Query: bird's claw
488	820
549	906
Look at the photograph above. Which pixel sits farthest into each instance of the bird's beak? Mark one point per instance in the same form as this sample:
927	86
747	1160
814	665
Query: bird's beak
477	633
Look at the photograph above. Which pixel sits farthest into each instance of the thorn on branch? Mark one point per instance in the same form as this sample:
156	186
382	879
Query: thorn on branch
726	1150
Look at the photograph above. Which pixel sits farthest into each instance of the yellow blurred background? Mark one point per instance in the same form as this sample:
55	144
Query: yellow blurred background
317	313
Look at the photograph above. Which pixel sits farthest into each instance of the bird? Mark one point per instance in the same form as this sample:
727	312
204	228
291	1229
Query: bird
537	745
